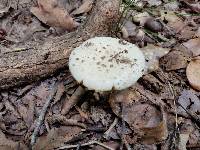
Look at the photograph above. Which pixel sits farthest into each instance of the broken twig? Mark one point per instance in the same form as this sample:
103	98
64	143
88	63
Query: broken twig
107	133
85	144
73	100
42	114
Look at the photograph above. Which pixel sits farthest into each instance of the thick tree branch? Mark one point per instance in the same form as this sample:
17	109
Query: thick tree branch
35	61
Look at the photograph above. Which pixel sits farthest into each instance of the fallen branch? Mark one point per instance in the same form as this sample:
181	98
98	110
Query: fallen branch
33	61
86	144
42	114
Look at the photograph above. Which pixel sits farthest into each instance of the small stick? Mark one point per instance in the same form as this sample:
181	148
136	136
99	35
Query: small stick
42	114
63	120
73	100
107	133
85	144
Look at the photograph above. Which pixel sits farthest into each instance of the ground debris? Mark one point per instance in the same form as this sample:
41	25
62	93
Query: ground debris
161	111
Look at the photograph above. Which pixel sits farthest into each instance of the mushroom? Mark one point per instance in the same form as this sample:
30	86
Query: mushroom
106	63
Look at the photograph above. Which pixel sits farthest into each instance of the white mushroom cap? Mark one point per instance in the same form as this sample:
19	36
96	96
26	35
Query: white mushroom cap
104	63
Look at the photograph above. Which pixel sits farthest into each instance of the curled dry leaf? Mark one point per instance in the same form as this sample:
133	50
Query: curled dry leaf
128	29
152	55
49	13
145	119
84	8
141	18
193	73
173	20
56	137
193	45
175	60
153	25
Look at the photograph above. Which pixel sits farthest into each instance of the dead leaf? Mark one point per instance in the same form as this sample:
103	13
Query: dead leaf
152	55
151	83
198	33
3	10
193	45
56	138
100	115
84	8
143	118
111	144
153	25
188	127
6	144
175	60
193	73
189	101
183	138
49	13
172	6
141	18
195	7
138	146
128	29
154	2
173	20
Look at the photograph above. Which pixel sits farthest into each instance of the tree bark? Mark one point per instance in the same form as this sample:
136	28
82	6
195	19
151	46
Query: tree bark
35	61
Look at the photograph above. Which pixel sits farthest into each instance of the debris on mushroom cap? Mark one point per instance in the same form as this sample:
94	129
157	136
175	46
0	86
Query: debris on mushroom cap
106	63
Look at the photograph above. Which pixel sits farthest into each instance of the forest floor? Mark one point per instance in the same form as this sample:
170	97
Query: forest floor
160	112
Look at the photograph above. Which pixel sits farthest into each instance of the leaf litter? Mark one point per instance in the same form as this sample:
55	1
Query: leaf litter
162	109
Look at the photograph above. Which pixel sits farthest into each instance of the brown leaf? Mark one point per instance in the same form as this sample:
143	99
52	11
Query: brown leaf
49	13
152	55
193	73
56	138
153	25
128	29
173	20
151	83
188	127
193	45
175	60
84	8
143	118
141	18
195	7
6	144
189	101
